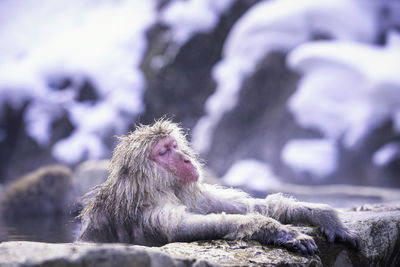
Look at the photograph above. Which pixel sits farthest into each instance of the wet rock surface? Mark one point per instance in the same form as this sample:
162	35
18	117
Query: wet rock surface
379	231
239	253
44	254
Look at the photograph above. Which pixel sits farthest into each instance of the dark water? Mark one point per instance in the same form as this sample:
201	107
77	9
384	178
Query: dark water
44	229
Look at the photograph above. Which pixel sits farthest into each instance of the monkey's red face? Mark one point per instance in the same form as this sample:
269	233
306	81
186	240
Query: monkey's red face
167	154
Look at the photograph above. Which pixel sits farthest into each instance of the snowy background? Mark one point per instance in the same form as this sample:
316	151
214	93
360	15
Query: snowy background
73	74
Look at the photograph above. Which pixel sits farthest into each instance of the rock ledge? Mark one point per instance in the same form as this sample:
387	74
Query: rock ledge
378	227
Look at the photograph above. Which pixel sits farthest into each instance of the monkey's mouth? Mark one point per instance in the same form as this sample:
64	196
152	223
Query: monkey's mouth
191	177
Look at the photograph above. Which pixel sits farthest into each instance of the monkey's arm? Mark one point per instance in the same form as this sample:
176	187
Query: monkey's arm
179	225
287	210
216	199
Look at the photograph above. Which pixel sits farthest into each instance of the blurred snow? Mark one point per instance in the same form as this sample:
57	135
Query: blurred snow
186	18
276	26
39	116
251	173
99	41
347	88
316	156
79	144
386	154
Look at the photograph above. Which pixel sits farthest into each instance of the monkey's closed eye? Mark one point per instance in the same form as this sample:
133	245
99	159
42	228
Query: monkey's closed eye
163	151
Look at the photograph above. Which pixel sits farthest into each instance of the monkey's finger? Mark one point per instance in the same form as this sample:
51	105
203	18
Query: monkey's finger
353	243
354	240
330	236
312	247
343	236
349	237
357	244
311	251
302	248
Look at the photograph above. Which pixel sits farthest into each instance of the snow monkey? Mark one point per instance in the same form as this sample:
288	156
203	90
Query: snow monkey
154	195
47	191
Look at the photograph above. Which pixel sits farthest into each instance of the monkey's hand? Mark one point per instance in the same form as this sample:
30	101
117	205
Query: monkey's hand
331	226
342	234
289	211
188	227
289	238
270	232
300	242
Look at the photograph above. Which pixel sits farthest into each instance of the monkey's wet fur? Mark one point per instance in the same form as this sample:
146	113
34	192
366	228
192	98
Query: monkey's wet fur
154	195
48	191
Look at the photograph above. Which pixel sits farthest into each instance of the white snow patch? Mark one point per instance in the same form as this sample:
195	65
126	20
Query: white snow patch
316	156
186	18
102	42
251	173
275	26
347	88
38	119
386	154
79	144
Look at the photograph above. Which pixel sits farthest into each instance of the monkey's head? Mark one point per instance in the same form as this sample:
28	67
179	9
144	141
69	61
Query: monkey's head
47	191
155	156
169	155
149	165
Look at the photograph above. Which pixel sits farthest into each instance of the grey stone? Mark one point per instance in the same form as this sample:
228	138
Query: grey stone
239	253
379	232
23	253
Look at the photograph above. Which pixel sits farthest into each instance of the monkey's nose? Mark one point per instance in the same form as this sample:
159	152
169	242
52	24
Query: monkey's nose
185	158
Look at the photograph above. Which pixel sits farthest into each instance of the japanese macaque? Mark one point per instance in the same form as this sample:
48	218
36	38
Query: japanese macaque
154	195
46	191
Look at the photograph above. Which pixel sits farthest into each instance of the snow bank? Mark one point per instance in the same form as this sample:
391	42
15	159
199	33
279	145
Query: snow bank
275	26
251	173
102	42
316	156
347	88
186	18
